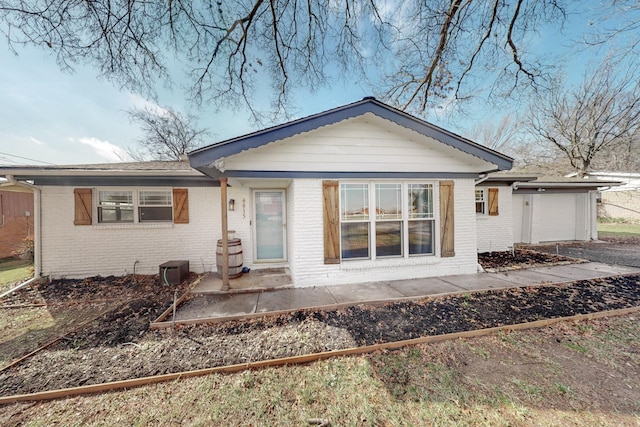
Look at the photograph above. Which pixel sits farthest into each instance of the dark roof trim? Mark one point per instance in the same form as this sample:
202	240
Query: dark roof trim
122	181
543	190
204	156
337	175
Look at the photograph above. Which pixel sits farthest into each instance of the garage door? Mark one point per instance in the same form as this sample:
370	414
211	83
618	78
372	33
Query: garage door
559	217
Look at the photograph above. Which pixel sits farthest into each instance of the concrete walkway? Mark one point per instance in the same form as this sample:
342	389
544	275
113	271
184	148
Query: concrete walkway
227	306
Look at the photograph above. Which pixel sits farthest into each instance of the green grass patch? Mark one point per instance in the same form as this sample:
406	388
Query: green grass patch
618	230
14	271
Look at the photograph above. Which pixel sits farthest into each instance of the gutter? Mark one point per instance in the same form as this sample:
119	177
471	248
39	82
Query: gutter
37	222
483	177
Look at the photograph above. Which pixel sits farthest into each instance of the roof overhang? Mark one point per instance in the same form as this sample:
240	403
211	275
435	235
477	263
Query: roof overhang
88	176
564	186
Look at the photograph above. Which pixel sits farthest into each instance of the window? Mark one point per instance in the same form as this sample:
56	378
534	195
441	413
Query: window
480	202
354	219
155	206
115	206
420	219
127	206
402	222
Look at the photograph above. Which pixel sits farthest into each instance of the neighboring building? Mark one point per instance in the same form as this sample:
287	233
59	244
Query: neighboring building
16	221
619	202
358	193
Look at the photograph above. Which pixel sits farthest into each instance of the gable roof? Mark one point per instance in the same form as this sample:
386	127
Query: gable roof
204	157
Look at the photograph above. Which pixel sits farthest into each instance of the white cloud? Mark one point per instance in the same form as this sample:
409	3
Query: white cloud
37	141
104	149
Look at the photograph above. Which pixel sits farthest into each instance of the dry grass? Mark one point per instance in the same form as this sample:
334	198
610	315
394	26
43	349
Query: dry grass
13	272
618	230
521	378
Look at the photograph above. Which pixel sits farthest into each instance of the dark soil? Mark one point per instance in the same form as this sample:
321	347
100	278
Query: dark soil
520	259
119	344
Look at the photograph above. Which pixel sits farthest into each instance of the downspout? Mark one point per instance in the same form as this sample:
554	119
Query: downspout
37	222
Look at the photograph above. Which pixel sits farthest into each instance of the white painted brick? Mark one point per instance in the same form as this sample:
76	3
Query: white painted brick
308	265
495	233
108	249
80	251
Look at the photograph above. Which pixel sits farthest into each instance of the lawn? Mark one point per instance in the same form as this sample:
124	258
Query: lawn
613	229
14	271
571	373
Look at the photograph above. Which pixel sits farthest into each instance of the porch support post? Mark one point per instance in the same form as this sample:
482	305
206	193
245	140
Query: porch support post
225	234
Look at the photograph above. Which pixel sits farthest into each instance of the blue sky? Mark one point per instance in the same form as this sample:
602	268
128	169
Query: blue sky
48	115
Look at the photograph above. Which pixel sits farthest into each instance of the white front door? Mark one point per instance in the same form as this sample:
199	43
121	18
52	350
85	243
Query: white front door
269	225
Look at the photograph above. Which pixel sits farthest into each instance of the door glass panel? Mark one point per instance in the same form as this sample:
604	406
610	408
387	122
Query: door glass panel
269	225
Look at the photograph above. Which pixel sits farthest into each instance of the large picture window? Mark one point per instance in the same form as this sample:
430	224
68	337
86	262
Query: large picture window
401	224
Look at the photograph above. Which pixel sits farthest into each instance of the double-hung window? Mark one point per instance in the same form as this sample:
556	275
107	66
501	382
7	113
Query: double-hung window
115	206
127	206
154	205
421	219
400	224
354	220
481	202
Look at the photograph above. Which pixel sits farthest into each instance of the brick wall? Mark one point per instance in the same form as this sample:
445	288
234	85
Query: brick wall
308	266
15	227
112	249
495	233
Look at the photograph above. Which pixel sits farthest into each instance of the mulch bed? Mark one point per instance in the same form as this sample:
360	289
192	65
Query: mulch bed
519	259
119	345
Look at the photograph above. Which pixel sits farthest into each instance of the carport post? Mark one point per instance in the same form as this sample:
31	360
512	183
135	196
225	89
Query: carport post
225	234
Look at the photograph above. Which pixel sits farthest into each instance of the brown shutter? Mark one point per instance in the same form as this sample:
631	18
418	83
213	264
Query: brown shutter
331	220
180	206
493	201
446	219
83	206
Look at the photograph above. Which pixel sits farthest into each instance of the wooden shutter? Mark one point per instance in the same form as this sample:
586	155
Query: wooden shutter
331	221
83	206
447	225
180	206
493	201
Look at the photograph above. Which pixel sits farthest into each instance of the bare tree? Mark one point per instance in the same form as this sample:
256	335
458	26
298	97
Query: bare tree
167	134
598	118
501	136
615	23
414	52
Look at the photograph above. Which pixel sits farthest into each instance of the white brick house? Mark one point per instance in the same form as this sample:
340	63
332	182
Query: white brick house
358	193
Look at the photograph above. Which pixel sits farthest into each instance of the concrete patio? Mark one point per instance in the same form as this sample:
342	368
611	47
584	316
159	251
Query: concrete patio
260	293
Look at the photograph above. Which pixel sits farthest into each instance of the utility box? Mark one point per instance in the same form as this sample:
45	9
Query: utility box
173	272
